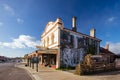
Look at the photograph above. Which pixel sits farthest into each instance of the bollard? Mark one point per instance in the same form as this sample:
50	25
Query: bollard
32	65
30	62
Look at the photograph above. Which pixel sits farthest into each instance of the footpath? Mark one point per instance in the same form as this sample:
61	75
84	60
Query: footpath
45	73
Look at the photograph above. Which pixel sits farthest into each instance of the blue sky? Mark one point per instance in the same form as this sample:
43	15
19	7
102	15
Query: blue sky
23	21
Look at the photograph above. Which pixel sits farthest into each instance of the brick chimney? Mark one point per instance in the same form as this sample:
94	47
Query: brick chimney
74	28
107	46
93	32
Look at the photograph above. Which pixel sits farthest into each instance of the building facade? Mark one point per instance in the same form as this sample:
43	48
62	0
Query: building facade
62	47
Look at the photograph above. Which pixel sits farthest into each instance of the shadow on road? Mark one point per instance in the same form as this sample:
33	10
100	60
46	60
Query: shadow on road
116	72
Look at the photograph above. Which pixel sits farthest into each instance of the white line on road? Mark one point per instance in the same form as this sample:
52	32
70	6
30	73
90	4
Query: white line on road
36	77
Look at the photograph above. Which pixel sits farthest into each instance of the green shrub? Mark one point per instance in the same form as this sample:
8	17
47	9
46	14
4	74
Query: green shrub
79	70
65	68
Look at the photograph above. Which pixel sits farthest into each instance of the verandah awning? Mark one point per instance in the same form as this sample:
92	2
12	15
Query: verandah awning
47	51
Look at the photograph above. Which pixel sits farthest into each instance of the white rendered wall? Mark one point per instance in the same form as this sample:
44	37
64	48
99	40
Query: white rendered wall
51	28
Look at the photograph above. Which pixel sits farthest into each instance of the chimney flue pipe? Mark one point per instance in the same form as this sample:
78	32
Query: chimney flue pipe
93	32
74	23
107	46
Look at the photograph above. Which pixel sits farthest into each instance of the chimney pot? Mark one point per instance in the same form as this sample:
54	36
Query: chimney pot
93	32
74	23
59	20
107	46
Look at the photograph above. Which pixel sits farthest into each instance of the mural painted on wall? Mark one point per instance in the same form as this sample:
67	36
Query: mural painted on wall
74	47
69	55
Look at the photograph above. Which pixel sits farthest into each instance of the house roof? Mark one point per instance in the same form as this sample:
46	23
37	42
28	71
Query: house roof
103	50
81	34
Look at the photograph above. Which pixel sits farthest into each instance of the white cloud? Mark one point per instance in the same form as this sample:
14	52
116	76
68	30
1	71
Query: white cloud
23	41
111	19
8	9
20	21
1	23
114	47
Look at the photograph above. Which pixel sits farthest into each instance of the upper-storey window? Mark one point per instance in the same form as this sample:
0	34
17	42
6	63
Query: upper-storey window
80	42
87	41
71	41
52	38
47	41
44	43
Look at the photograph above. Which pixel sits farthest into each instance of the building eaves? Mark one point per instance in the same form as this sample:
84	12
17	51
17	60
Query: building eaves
82	34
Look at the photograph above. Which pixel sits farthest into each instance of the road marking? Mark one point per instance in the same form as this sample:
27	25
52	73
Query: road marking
36	77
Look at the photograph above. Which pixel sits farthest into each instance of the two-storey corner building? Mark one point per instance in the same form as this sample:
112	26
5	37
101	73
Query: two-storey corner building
62	47
49	52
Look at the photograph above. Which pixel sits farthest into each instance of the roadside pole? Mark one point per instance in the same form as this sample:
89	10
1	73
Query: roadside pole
37	61
37	67
30	62
32	65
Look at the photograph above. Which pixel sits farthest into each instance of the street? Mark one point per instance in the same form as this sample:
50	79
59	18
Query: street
46	73
8	71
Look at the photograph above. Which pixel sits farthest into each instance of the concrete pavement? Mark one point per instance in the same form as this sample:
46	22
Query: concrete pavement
46	73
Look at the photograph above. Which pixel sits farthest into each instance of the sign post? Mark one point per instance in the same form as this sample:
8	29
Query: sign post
35	60
32	61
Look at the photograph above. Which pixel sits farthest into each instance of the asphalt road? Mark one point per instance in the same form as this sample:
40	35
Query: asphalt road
8	71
